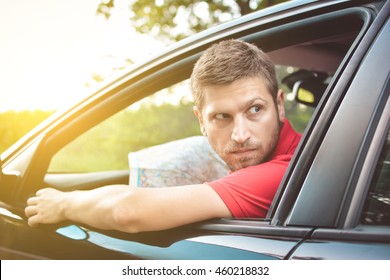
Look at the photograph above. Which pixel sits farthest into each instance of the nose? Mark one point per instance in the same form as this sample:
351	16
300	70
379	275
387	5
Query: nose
240	133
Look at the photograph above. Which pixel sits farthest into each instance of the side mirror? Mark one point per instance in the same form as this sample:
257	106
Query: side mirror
8	183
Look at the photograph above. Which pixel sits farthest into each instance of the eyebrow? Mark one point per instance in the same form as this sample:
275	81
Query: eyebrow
244	106
253	100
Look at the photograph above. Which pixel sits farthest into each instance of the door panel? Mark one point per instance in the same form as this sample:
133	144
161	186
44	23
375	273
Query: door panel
69	181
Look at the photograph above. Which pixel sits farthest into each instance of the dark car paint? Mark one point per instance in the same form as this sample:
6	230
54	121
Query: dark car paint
75	242
293	230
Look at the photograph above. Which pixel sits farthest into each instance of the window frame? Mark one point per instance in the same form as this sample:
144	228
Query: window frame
332	213
290	188
379	130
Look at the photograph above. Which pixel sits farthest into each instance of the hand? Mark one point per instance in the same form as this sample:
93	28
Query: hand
46	207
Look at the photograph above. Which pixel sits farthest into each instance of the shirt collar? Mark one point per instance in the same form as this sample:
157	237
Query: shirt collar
288	140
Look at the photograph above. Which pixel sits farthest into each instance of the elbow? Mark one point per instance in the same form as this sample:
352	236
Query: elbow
125	219
125	216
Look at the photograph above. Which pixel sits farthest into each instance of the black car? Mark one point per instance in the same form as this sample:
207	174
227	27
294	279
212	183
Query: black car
334	200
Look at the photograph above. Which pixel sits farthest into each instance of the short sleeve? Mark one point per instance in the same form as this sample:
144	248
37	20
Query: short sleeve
248	192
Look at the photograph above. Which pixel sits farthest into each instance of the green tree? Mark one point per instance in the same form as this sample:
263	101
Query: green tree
177	19
106	146
14	125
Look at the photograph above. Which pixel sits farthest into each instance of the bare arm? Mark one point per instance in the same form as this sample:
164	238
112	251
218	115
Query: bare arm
127	208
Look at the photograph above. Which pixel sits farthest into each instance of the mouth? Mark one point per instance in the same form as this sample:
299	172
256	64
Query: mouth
242	152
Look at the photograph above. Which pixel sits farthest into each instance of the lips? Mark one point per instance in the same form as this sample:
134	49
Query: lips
242	151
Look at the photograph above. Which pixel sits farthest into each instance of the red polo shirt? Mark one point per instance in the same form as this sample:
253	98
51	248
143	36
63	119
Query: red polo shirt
248	192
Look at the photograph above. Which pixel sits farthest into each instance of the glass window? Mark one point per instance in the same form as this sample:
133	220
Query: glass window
377	208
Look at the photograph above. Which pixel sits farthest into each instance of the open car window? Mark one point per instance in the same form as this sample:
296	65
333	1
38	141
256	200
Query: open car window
143	114
161	118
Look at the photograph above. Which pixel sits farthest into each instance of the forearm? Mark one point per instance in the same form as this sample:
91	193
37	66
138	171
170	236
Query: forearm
127	208
94	207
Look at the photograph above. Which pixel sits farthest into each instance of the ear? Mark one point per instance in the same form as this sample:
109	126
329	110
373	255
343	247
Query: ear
198	114
280	105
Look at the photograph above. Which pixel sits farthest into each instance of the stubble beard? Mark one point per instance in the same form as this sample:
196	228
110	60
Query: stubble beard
263	154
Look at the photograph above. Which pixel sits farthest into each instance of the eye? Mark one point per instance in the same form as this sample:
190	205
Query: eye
254	109
221	116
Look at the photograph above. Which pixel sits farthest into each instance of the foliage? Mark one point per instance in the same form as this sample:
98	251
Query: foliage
106	146
14	125
161	18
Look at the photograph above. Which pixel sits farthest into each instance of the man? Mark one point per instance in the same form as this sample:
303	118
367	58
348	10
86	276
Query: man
241	111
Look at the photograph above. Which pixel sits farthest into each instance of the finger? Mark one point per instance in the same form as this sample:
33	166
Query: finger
41	191
32	201
33	221
30	211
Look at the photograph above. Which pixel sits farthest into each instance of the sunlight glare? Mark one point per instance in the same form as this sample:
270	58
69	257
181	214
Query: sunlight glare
51	50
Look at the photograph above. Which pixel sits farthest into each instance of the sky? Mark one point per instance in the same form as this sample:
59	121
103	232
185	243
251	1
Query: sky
49	50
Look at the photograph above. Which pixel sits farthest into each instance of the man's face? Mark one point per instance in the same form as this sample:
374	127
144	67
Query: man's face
241	121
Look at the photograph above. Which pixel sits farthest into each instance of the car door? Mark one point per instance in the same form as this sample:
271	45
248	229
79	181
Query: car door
349	179
272	238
